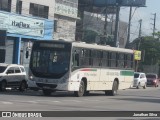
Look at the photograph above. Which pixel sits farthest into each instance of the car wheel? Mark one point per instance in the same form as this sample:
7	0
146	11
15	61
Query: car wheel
144	87
23	86
138	86
3	86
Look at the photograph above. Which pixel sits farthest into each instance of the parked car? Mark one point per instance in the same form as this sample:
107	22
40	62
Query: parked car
140	80
152	79
12	75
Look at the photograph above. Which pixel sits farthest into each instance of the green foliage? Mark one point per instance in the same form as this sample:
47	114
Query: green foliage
151	47
157	34
89	36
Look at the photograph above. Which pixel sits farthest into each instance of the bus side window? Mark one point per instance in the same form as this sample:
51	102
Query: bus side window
76	59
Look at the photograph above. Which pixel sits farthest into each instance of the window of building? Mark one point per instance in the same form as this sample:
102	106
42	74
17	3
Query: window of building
55	25
2	54
2	37
19	7
5	5
39	10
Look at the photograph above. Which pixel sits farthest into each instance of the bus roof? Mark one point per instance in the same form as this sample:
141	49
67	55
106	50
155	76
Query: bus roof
90	46
101	47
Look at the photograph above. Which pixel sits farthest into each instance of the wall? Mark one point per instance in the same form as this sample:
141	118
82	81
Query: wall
26	6
96	23
66	16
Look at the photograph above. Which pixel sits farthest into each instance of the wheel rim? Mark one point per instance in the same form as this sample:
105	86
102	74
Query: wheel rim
81	89
115	88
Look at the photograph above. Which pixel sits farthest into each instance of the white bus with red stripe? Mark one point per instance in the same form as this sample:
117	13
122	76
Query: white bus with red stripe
80	67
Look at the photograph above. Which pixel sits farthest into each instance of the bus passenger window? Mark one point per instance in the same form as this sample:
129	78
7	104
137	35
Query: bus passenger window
76	59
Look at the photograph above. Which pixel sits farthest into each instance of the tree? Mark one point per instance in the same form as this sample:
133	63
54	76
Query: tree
151	47
157	34
89	36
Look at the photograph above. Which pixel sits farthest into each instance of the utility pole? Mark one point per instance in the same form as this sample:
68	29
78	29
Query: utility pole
154	24
116	39
139	36
140	28
112	25
105	24
140	32
129	26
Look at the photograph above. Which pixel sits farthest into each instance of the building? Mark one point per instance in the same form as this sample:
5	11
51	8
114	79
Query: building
65	18
96	22
22	22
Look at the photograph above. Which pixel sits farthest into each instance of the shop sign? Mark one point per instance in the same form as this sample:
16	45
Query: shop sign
66	10
22	25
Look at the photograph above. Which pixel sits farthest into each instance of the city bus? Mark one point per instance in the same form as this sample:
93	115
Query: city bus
58	65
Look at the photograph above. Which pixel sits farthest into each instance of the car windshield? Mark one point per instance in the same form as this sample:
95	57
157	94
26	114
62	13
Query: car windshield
2	69
150	76
136	75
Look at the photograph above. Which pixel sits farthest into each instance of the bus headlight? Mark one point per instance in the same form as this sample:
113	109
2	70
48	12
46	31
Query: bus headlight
31	77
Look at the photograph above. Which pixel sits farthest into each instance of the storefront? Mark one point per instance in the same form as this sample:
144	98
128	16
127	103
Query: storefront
21	31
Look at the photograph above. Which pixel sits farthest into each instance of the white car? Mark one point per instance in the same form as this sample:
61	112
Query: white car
140	80
12	75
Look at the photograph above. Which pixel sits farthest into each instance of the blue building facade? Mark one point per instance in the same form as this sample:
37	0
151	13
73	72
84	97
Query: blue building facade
21	32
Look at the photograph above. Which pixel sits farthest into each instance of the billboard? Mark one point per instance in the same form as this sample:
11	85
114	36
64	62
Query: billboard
137	55
103	3
22	25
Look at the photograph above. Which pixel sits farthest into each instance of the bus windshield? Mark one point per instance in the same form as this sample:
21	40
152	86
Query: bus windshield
49	62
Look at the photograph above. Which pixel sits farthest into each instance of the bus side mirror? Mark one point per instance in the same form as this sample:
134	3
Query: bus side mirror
27	54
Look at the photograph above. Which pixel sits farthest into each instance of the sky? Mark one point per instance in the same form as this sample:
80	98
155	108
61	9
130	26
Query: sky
144	13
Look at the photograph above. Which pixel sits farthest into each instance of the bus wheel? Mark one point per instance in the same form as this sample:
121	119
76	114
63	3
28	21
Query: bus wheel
81	91
114	90
47	92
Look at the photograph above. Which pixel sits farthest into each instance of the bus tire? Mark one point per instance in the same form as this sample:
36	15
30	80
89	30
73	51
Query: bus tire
81	91
114	90
47	92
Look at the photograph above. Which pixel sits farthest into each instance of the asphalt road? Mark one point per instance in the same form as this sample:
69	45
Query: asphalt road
126	100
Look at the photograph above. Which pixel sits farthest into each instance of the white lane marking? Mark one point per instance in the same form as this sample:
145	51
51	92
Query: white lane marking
48	101
56	101
7	103
92	100
20	101
72	100
32	101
